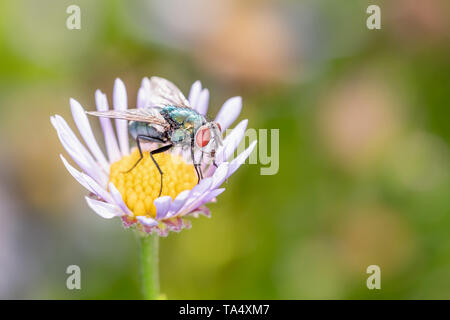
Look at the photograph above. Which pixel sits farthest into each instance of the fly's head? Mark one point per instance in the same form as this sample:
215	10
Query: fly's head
208	138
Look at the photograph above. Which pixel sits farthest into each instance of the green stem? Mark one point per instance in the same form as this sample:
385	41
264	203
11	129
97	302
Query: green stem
149	272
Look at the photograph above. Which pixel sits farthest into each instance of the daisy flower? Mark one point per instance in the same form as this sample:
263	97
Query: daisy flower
134	196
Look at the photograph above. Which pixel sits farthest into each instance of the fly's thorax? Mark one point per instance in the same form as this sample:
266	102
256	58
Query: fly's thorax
193	122
180	117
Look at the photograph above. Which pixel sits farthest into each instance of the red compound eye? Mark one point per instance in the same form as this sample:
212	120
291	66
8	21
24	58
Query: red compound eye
202	136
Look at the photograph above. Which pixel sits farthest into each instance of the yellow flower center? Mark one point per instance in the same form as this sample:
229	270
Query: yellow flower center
140	187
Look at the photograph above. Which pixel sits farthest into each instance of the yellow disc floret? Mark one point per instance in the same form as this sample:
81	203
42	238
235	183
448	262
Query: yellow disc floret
140	187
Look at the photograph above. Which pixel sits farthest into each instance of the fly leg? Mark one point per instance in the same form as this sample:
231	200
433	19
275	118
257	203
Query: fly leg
138	143
156	151
197	166
201	159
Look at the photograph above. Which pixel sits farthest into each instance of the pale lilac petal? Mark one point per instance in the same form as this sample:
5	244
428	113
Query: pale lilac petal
220	175
204	198
120	103
232	141
162	205
210	196
236	163
202	102
201	188
141	98
235	137
144	94
145	84
117	197
77	175
90	184
77	151
112	147
82	122
103	209
197	192
229	112
179	201
147	221
195	93
70	141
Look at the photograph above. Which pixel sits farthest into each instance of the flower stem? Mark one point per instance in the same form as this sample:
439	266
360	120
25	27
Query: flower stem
149	272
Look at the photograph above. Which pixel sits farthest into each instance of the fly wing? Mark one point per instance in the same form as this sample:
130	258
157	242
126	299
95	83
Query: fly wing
163	93
148	115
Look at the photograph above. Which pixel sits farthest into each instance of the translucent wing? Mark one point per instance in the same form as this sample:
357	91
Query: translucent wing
163	93
149	115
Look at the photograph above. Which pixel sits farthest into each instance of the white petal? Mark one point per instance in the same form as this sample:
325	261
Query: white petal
144	93
232	141
112	147
71	147
196	88
77	151
103	209
145	84
82	122
236	163
77	175
70	141
229	112
87	182
117	198
202	102
141	98
120	103
162	205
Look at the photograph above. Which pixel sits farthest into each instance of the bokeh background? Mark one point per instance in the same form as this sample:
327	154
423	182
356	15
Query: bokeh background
364	154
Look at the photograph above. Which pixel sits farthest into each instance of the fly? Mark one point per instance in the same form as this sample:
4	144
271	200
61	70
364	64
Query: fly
170	121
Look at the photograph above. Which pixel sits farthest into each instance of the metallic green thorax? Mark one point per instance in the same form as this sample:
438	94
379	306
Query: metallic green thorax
183	122
184	118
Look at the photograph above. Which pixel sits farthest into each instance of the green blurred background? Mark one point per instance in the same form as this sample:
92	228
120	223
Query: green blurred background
364	158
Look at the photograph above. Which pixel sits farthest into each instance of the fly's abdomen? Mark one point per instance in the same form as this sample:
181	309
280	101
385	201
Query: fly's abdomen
137	128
